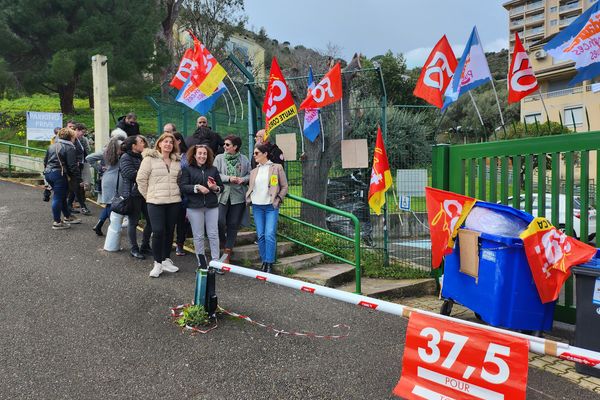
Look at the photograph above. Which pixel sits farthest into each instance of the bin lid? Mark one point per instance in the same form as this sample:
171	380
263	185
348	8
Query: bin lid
590	268
507	210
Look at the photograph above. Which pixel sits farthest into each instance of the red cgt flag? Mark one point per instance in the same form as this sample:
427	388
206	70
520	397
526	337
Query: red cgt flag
521	78
551	254
446	212
279	104
186	66
381	177
327	91
436	74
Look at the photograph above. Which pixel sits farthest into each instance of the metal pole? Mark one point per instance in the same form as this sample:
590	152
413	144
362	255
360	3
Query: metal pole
9	160
386	253
536	344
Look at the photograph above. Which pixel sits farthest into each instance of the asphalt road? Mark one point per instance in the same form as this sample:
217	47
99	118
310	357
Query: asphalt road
79	323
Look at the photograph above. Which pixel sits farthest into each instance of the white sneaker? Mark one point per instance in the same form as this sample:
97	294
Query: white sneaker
167	265
157	270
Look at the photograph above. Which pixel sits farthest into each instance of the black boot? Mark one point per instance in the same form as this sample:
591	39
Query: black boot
201	261
269	269
98	228
263	268
146	249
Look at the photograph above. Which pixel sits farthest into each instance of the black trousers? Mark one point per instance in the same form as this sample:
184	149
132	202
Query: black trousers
163	218
230	218
138	208
181	225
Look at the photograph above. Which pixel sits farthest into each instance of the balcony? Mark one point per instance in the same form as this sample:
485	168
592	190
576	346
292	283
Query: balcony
557	93
535	31
535	18
567	21
516	23
517	10
534	6
570	7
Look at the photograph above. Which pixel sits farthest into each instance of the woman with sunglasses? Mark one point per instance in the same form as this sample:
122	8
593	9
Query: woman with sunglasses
267	187
234	168
201	184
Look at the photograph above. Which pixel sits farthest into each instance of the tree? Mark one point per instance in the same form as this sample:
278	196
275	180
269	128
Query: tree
49	44
166	39
214	21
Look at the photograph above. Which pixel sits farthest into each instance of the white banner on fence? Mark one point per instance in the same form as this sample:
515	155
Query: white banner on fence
411	182
40	125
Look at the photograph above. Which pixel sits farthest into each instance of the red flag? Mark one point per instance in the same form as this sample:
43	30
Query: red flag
551	254
279	104
436	74
521	78
186	66
327	91
446	212
381	177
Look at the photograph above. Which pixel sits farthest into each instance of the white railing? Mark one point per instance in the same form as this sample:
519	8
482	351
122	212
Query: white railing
517	22
566	21
571	6
535	18
535	6
534	31
557	93
517	10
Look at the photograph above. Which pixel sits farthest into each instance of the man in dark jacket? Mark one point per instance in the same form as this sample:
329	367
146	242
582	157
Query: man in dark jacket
274	153
129	124
204	135
129	164
77	189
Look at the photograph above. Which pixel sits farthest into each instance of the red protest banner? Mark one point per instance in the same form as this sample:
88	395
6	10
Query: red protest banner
446	360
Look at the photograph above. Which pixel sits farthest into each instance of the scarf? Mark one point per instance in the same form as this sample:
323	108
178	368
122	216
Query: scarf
232	161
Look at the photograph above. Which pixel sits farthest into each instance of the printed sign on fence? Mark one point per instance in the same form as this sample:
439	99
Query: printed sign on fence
40	125
446	360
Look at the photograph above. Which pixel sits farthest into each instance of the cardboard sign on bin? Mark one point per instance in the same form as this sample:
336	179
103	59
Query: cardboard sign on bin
469	252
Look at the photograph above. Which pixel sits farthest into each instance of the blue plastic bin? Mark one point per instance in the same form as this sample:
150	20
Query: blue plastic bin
504	294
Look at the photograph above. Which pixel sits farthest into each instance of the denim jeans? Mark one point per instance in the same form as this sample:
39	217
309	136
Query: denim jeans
60	187
265	219
105	213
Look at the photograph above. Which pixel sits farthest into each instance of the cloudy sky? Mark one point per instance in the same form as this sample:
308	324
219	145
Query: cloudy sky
372	27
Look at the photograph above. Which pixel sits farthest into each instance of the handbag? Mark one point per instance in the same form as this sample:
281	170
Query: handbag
120	204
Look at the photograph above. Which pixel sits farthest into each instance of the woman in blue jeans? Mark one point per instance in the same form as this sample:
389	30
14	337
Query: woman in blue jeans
267	187
60	165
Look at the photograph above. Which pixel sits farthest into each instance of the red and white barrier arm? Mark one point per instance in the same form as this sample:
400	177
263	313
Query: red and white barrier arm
536	344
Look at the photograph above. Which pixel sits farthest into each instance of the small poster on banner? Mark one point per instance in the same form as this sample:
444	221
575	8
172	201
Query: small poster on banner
40	125
449	360
404	203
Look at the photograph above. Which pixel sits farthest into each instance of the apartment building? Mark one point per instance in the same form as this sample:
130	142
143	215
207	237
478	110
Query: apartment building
536	21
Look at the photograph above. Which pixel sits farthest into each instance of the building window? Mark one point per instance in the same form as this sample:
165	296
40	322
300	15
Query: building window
531	118
573	115
553	9
554	22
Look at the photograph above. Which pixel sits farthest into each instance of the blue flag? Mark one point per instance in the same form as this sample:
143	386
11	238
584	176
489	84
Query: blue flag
311	115
472	71
192	96
579	42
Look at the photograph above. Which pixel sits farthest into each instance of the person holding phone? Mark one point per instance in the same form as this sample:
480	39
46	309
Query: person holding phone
201	184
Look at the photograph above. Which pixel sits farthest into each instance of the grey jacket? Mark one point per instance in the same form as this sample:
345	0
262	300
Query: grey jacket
109	178
61	156
233	192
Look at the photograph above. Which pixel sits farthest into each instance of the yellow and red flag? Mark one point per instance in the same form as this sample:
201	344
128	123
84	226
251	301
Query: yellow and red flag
208	73
327	91
521	78
446	212
381	177
279	104
551	254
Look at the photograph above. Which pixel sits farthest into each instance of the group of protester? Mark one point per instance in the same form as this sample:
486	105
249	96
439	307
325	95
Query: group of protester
202	181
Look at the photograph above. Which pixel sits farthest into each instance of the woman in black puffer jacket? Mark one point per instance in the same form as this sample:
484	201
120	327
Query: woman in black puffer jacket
201	184
129	164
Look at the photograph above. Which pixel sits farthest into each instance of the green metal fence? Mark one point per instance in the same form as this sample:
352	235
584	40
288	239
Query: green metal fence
16	157
548	176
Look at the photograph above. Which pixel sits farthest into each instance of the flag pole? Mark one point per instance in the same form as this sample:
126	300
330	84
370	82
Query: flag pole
301	132
322	133
545	109
499	110
342	115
